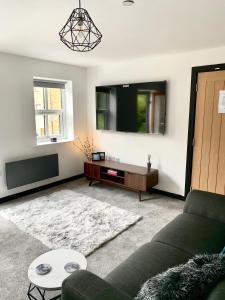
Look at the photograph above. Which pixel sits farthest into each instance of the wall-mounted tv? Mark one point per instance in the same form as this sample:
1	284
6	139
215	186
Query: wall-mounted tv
137	107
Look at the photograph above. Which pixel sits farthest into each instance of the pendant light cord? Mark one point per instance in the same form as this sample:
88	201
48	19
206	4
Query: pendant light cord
79	3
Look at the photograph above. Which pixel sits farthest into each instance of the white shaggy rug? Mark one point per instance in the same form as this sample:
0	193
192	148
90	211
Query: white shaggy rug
67	219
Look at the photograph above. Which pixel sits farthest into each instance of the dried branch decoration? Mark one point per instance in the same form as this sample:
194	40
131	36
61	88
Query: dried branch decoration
86	147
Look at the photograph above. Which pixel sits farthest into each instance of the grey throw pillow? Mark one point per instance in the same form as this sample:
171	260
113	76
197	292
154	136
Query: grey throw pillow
190	281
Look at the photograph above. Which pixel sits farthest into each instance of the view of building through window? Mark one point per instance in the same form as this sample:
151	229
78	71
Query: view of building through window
49	111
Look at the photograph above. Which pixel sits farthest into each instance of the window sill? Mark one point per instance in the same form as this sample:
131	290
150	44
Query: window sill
43	143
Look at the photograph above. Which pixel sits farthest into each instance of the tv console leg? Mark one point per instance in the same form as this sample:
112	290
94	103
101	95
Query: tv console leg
90	182
140	196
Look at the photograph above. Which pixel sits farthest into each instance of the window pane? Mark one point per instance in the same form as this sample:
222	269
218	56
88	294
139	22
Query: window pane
101	121
39	98
40	125
102	101
54	98
54	124
142	113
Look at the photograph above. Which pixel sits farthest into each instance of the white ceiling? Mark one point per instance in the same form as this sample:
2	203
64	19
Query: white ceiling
149	27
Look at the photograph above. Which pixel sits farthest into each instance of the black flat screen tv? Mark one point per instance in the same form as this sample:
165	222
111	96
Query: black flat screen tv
137	107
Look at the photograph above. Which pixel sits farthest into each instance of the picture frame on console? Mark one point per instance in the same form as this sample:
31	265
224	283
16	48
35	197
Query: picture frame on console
95	156
102	155
98	156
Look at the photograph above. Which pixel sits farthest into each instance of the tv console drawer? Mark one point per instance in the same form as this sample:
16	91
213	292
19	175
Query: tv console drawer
135	181
91	171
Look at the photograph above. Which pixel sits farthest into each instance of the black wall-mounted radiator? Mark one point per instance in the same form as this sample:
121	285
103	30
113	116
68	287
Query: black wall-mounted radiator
22	172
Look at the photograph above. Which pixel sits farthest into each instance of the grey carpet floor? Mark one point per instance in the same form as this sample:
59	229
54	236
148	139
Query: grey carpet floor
18	249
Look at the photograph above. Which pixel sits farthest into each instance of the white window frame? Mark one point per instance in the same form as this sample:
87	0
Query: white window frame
46	112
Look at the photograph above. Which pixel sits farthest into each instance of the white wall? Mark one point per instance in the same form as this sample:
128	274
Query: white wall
17	125
168	151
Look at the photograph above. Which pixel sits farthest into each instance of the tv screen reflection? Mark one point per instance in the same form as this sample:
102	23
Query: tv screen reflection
137	108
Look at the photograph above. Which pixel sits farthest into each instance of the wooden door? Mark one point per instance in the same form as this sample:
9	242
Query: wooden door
208	167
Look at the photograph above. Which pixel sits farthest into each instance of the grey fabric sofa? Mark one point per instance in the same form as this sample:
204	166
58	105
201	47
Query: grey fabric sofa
199	229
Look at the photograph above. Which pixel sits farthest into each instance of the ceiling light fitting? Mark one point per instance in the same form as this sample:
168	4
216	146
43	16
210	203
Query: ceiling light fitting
80	33
128	2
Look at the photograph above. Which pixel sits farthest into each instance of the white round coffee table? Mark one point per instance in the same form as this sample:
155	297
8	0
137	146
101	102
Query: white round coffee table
52	281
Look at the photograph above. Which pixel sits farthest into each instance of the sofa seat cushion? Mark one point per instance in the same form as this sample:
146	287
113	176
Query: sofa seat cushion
218	293
149	260
193	234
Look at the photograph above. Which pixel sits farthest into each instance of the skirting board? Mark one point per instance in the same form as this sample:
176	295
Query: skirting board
40	188
53	184
168	194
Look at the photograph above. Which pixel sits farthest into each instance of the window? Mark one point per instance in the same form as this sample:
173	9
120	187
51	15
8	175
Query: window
50	111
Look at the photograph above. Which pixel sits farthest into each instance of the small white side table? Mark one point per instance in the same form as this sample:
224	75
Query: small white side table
52	281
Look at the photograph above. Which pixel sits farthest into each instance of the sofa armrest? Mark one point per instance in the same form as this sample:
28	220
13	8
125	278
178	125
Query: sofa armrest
83	285
206	204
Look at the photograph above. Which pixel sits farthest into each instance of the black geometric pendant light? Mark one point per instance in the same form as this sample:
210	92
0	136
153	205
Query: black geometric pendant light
80	33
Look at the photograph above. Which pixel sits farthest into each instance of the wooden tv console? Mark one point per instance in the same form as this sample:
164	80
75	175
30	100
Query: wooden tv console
128	176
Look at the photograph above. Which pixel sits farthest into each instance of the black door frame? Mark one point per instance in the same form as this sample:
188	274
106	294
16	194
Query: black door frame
191	126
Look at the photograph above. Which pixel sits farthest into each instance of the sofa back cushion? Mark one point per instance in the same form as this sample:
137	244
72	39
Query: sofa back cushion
206	204
193	234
